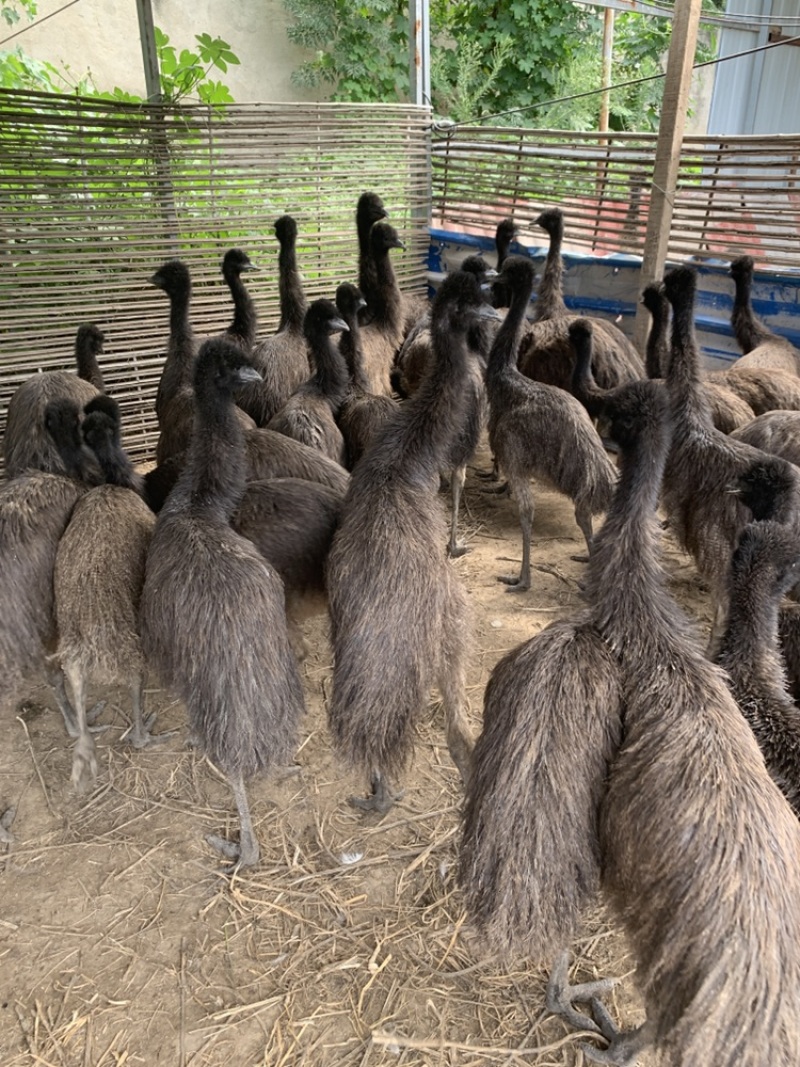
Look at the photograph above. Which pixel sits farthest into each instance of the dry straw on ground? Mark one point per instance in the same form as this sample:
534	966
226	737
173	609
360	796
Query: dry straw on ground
124	942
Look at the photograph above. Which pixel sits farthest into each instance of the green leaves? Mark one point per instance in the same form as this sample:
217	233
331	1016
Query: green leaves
186	73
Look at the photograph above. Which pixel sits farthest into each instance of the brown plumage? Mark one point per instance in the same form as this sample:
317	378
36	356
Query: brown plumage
545	354
98	578
34	511
777	432
728	409
309	415
701	853
399	616
292	522
705	517
362	413
537	430
26	444
212	612
282	359
762	388
761	347
765	565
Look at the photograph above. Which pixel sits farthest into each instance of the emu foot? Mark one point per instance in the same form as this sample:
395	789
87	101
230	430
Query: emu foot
244	854
84	764
580	557
515	583
503	489
457	550
560	995
92	715
380	800
487	476
6	819
624	1046
138	734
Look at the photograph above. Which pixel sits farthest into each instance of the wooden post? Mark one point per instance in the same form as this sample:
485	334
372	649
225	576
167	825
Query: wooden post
605	79
668	150
147	33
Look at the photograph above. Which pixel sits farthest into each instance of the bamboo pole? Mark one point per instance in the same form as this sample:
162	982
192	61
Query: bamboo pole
668	149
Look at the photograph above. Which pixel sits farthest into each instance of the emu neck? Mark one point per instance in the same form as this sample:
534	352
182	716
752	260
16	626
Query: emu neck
290	289
243	327
750	332
503	356
690	409
217	463
117	468
549	298
331	377
625	583
387	305
88	367
584	386
435	412
351	351
750	642
367	268
657	352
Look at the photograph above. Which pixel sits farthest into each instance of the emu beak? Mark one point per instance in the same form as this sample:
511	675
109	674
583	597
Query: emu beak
398	244
361	303
153	280
490	272
248	374
486	311
338	325
250	266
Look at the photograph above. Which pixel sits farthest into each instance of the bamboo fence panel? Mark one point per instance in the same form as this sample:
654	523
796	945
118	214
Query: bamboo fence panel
734	194
95	195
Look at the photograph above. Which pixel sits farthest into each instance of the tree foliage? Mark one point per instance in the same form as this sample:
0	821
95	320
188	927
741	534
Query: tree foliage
490	58
182	74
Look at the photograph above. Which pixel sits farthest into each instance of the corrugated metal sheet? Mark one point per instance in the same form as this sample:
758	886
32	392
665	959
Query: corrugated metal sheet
94	196
734	194
757	93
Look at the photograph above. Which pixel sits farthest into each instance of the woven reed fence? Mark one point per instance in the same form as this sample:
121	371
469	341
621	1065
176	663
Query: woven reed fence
734	194
94	196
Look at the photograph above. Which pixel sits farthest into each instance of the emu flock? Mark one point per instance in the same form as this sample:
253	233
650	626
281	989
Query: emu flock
620	755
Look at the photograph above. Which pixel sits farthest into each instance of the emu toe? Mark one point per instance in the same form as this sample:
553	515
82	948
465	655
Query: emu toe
560	995
84	764
381	799
456	550
624	1046
138	734
502	489
244	854
515	583
6	819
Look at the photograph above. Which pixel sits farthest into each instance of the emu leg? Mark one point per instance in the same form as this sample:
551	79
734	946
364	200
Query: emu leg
624	1046
583	517
139	732
247	853
84	760
453	687
526	508
381	798
55	676
560	995
457	479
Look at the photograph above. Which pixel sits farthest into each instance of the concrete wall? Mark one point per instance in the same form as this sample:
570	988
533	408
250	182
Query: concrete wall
103	36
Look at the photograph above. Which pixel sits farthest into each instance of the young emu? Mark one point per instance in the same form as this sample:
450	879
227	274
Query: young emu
706	518
34	511
761	347
541	431
26	444
282	359
689	810
212	615
766	564
399	615
99	572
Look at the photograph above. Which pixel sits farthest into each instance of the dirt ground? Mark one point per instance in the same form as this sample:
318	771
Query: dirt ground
123	941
